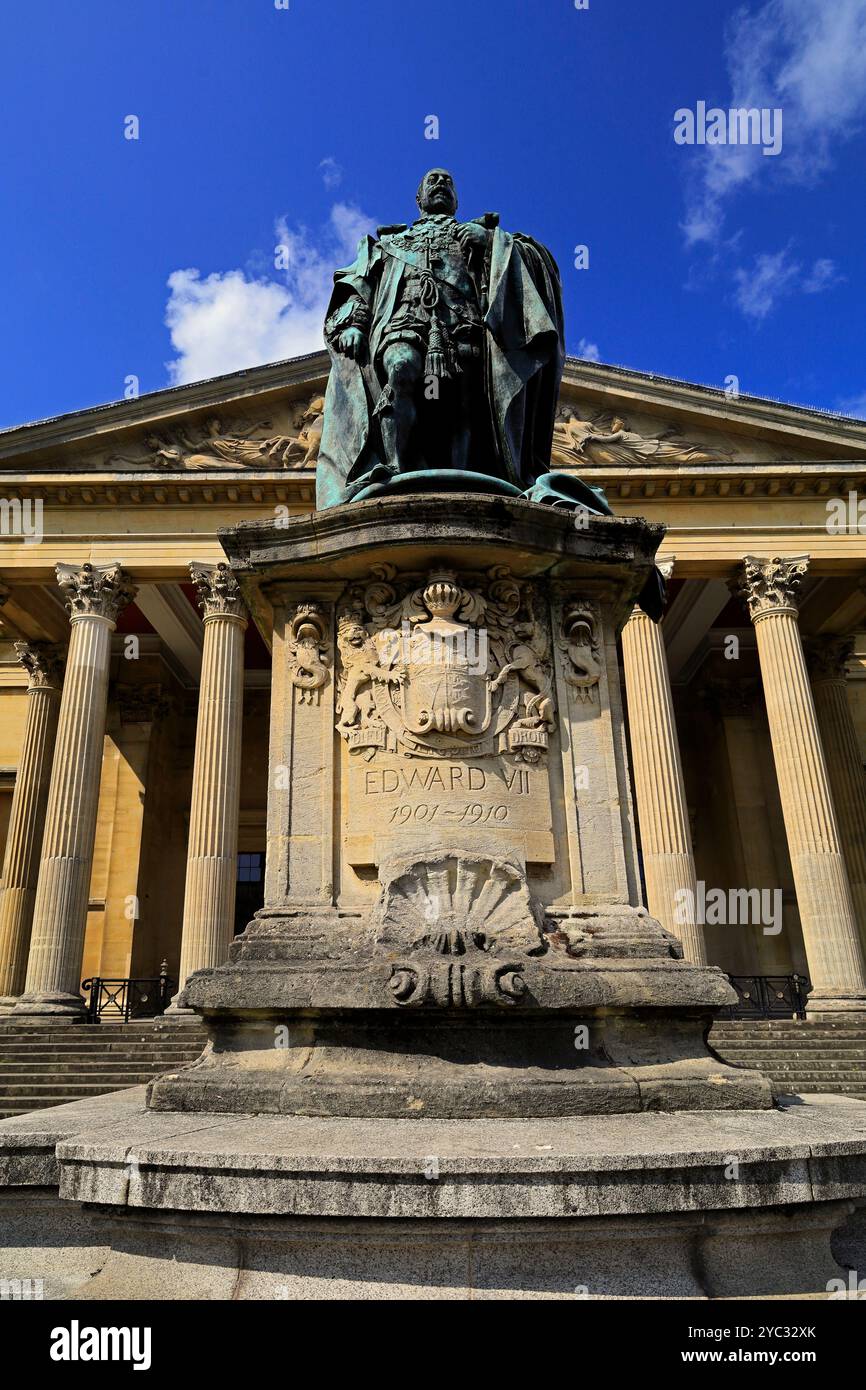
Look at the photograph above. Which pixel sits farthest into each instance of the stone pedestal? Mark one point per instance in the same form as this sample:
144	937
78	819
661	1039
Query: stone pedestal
451	925
27	818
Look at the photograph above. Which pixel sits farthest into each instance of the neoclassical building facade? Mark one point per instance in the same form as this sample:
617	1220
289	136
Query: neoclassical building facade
134	684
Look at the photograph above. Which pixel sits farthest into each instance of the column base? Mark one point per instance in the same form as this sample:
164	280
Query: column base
831	1006
177	1013
181	1018
7	1003
54	1005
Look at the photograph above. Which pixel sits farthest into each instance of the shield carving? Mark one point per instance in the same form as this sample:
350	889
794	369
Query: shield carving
446	689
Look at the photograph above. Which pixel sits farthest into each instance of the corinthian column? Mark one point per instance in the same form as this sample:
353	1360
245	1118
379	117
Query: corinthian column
94	596
827	658
769	588
211	866
666	843
44	666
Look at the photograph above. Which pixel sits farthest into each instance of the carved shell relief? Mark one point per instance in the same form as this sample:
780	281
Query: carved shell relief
443	665
458	931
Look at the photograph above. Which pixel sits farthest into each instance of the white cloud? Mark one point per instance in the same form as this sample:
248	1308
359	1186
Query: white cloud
854	405
773	275
230	320
807	57
331	172
587	350
822	275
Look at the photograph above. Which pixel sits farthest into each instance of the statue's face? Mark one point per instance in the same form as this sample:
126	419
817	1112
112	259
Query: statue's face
437	192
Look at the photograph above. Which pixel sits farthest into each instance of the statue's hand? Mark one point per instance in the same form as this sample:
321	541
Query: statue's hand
351	342
472	237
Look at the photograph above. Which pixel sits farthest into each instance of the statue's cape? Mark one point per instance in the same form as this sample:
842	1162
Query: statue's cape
525	353
351	392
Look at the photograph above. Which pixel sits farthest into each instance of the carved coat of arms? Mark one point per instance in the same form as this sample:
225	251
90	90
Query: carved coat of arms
445	667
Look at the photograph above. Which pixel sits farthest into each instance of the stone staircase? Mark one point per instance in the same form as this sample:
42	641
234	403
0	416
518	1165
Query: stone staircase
799	1057
41	1067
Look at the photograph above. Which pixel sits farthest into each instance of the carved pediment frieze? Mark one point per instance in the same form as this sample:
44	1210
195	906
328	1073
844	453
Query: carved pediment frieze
230	443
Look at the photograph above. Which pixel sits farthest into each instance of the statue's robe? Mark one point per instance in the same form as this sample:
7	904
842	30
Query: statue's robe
524	354
523	360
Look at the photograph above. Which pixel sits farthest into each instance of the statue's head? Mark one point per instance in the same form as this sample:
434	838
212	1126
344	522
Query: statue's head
436	192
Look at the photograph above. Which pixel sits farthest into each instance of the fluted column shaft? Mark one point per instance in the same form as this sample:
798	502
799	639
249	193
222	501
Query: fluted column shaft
668	862
827	657
211	869
27	816
823	893
94	595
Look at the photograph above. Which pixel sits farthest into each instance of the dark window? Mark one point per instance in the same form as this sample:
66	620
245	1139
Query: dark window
250	893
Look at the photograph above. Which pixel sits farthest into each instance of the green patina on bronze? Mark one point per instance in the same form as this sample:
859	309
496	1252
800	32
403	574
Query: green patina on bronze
447	344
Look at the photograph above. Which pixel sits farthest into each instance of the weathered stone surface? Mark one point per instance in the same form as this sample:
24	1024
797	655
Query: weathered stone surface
691	1206
450	925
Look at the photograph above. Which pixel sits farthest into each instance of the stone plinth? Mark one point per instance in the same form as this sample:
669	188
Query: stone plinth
451	923
688	1206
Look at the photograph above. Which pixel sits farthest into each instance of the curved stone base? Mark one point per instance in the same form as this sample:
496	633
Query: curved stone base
154	1255
691	1206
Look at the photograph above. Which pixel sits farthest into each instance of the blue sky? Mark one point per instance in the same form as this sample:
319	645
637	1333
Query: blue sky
263	127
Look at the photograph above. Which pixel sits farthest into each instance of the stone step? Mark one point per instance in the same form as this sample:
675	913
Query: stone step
23	1106
65	1036
47	1056
811	1030
772	1054
755	1030
816	1073
72	1090
821	1088
8	1044
790	1044
813	1025
60	1066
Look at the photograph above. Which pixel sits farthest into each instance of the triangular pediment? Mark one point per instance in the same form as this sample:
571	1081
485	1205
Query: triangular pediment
611	422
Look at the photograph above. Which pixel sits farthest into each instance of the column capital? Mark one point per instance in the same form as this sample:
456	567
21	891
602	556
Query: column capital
770	584
43	662
95	591
141	704
219	593
827	657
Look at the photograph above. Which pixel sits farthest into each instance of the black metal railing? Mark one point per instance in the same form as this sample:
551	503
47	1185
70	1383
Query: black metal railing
768	996
118	1001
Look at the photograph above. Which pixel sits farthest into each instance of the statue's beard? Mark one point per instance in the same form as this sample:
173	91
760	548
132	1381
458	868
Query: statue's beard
443	204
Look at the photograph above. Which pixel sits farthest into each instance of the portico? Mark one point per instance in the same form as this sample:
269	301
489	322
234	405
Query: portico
133	790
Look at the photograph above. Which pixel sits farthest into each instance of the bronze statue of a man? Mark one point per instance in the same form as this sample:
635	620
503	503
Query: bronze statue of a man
447	345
